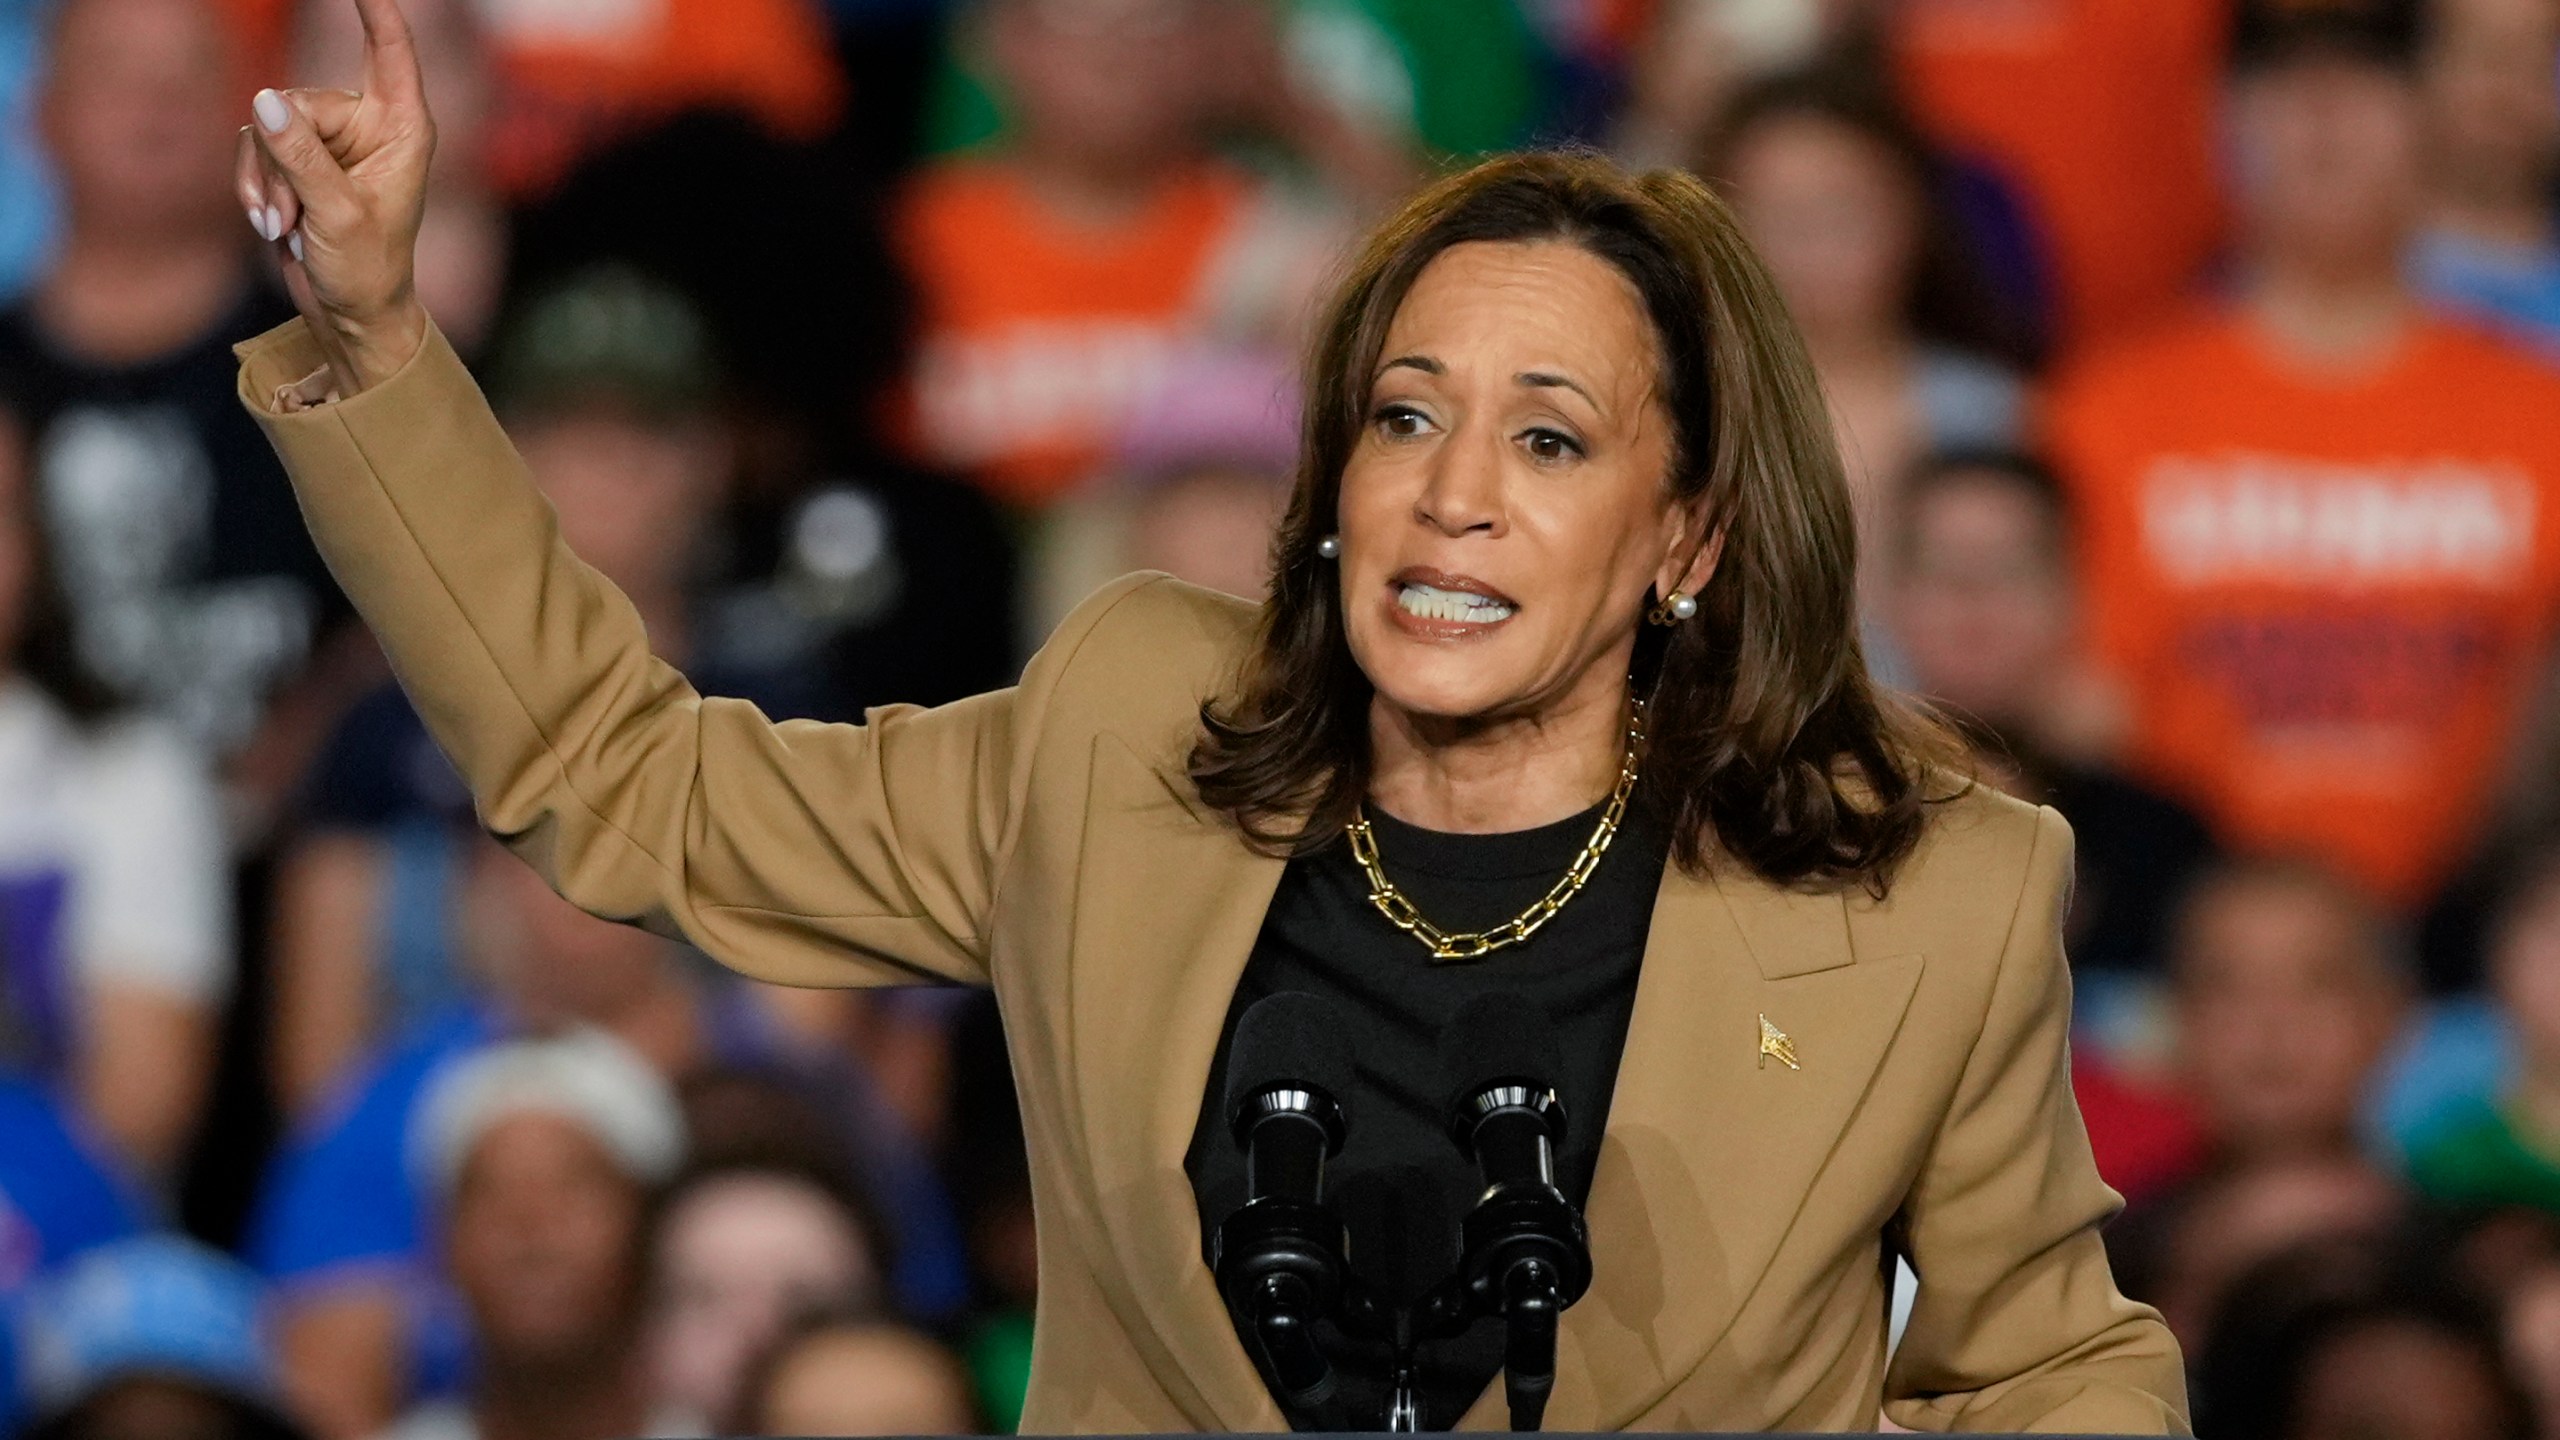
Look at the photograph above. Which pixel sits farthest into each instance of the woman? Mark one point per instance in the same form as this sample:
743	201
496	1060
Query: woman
1549	402
1844	197
115	894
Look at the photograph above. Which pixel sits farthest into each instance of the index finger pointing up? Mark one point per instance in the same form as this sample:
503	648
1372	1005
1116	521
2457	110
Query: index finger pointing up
390	59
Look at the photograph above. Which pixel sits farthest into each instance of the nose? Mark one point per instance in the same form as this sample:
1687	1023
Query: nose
1462	492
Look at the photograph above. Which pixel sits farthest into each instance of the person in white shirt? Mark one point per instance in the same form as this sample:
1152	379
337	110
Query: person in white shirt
116	944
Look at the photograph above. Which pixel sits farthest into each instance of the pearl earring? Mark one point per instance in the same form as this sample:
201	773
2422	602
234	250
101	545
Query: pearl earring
1330	547
1674	609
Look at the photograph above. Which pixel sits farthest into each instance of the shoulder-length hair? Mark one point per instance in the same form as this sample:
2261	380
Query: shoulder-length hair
1768	743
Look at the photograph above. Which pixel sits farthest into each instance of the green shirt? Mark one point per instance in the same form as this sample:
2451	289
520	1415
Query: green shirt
1463	75
2487	1157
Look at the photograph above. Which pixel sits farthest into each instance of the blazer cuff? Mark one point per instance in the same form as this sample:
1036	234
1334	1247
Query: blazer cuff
283	372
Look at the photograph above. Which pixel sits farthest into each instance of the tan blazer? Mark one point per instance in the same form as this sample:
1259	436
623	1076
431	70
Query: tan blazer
1043	840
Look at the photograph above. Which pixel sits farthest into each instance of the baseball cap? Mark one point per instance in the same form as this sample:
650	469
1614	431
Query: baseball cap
155	1307
608	335
583	1075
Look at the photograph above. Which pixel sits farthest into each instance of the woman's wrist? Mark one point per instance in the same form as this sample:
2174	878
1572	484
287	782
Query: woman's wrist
364	353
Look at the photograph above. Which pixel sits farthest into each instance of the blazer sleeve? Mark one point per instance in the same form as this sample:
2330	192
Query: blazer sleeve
805	853
2018	1325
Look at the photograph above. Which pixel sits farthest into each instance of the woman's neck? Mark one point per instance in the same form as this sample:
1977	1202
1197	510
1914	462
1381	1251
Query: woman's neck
1486	777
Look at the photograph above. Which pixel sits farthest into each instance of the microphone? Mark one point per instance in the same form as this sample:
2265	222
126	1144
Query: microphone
1526	1255
1401	1224
1278	1257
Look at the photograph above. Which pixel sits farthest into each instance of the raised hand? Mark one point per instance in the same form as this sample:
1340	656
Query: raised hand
337	181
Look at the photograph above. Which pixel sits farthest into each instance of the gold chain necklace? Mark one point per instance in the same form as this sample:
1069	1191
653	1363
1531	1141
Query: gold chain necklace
1400	912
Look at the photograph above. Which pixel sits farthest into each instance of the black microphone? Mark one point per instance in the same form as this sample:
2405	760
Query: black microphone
1278	1257
1526	1254
1401	1224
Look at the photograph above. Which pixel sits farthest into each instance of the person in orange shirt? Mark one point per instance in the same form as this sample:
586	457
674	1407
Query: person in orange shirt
1062	277
2101	113
2321	527
575	75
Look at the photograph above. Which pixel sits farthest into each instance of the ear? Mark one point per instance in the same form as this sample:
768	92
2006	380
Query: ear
1693	554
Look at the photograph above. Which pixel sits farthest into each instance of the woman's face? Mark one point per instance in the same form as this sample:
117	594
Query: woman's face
1506	508
738	1258
1833	215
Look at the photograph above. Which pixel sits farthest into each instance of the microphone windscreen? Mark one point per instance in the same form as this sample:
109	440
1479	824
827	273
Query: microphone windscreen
1291	1037
1401	1227
1497	1038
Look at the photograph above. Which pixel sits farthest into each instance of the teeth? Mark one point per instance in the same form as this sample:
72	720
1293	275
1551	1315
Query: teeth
1431	603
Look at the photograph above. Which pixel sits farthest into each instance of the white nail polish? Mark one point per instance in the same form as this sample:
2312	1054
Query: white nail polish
258	221
293	242
274	223
273	114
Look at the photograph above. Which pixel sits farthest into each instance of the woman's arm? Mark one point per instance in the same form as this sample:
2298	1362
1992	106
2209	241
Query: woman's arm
784	850
151	929
2018	1325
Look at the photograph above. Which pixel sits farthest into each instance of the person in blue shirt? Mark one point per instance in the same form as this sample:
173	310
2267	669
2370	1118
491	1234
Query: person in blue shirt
58	1199
345	1230
151	1335
27	201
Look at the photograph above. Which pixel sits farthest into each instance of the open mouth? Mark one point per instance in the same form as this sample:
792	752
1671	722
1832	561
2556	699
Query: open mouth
1451	599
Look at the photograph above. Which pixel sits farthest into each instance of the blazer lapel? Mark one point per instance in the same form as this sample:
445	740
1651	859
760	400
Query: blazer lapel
1168	903
1712	1148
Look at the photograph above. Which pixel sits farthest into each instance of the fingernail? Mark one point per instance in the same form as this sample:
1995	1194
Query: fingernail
275	223
273	113
258	222
293	242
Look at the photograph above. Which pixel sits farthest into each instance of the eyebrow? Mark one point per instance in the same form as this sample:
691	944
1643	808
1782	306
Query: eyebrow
1535	379
1541	379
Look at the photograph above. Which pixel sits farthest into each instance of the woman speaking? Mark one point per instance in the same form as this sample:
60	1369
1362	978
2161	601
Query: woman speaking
1557	697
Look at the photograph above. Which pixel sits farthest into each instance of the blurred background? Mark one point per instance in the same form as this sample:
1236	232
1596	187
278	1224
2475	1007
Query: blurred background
2198	368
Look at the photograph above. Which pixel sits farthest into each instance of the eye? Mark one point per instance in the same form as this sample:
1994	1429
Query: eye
1549	446
1401	422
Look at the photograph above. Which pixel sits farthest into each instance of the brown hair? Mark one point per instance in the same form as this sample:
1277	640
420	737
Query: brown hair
1768	741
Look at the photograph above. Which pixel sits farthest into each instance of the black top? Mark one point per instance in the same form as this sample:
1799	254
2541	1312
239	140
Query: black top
1323	936
193	585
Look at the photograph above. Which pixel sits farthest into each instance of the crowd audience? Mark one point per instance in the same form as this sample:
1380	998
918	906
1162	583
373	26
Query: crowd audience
1839	192
2197	367
2315	516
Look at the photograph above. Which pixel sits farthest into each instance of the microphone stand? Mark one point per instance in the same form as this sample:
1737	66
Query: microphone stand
1443	1314
1527	1253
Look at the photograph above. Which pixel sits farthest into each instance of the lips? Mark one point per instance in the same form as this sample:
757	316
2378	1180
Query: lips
1436	598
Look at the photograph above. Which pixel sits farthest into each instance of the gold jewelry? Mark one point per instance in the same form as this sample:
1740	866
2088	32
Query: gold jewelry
1675	607
1399	910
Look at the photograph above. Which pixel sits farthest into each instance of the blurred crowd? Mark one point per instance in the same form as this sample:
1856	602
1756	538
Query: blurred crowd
2197	364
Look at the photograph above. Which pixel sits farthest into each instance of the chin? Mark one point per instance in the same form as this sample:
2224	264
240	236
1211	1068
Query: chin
1451	682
